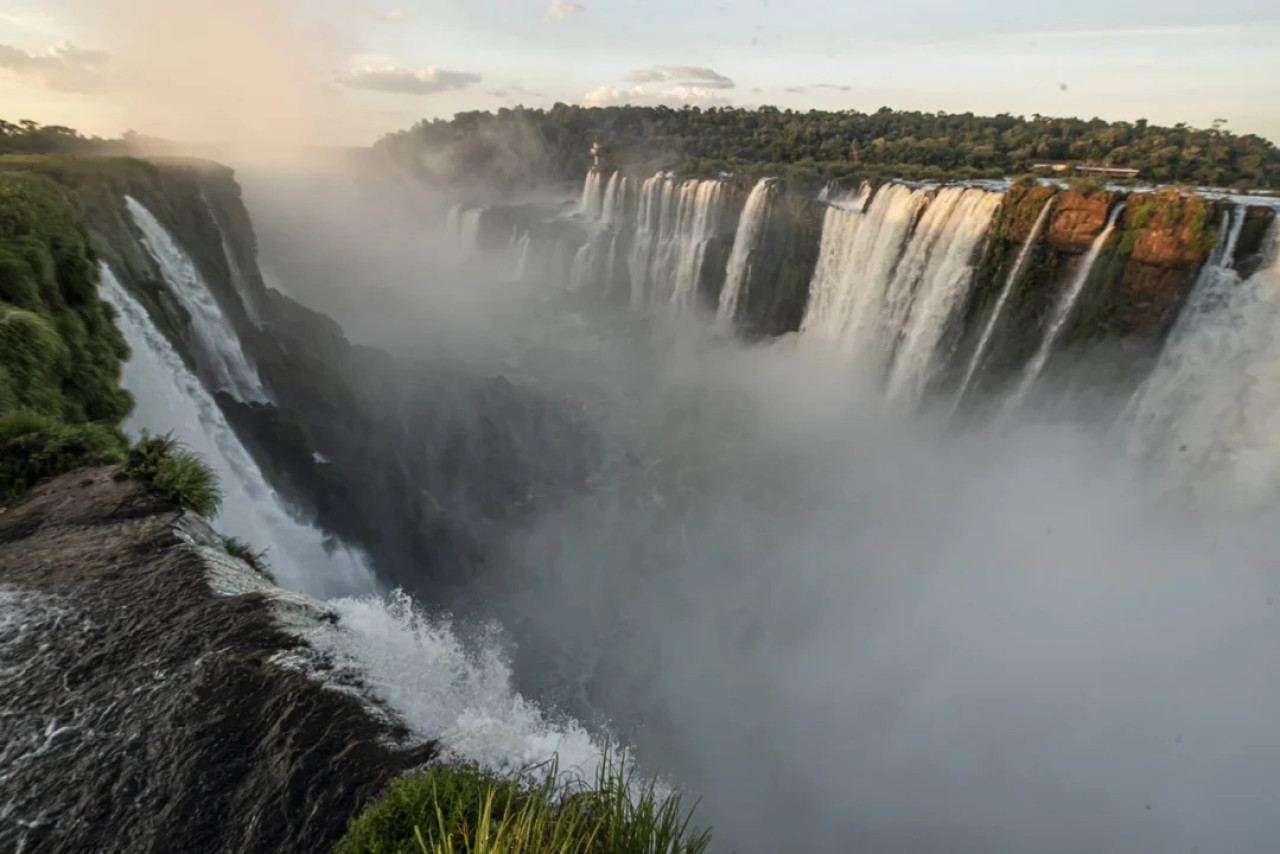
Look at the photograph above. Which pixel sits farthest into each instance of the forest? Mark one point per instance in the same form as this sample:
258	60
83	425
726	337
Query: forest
512	145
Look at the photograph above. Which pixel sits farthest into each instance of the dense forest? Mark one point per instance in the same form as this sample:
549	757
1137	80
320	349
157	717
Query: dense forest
511	146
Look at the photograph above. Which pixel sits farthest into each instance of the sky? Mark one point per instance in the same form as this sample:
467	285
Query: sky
346	71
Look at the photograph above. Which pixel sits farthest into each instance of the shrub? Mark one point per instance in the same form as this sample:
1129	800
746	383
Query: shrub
174	473
35	448
257	560
463	808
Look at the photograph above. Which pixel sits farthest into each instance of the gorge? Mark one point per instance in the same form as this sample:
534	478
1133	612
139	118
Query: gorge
911	517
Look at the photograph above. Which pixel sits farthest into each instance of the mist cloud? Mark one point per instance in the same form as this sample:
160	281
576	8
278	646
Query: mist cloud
63	67
409	81
392	17
684	75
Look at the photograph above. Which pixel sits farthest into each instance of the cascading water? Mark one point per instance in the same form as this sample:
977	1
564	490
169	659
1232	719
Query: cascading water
214	336
1062	313
169	398
750	229
593	195
596	260
1209	412
993	322
886	286
442	689
945	281
856	275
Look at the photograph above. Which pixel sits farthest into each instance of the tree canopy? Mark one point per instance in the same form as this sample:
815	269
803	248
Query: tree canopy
512	147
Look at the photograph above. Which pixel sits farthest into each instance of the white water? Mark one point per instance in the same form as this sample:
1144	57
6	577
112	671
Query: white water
750	228
171	399
213	334
856	276
596	261
993	322
1062	313
593	195
945	279
1209	414
887	287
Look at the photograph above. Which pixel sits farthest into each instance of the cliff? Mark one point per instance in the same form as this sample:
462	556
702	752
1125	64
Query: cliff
171	720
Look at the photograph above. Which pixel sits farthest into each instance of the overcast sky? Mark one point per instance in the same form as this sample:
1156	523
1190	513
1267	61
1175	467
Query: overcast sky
356	68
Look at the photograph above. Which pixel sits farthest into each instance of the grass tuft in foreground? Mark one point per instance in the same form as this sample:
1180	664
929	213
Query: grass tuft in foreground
463	809
257	560
175	473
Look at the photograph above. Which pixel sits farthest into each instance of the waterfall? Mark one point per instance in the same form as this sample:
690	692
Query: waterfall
946	277
750	229
1209	412
170	398
1062	313
248	298
850	283
648	224
893	272
592	204
994	320
699	219
596	262
214	337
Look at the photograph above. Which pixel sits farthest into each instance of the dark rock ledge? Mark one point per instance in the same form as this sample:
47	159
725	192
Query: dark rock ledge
142	712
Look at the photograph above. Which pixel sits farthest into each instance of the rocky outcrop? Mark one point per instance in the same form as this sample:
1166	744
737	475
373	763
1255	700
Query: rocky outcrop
143	712
1077	220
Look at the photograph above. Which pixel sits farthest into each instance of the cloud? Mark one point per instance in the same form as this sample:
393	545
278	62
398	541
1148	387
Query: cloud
837	87
561	9
515	92
63	67
392	17
639	96
683	75
409	81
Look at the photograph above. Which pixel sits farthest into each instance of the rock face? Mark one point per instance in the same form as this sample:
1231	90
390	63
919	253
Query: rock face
142	712
1077	220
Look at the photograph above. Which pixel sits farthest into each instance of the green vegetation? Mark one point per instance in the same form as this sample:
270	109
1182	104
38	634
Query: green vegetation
521	146
60	351
176	474
458	808
257	560
35	448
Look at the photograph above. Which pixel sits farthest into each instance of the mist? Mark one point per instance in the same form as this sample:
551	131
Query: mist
841	624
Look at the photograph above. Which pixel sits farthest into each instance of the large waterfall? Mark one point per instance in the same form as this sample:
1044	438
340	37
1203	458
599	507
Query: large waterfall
442	688
889	280
171	399
750	227
675	222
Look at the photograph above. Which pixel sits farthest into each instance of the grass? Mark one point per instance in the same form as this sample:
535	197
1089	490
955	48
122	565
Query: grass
35	448
464	809
257	560
175	473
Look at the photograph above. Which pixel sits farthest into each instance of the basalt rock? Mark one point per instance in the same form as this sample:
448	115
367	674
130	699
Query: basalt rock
1077	220
143	712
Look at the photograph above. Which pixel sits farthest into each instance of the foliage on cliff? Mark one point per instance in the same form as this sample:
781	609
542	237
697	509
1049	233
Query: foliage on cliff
463	808
60	351
521	146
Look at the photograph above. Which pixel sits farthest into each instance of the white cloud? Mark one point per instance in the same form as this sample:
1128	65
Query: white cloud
392	17
561	9
63	67
639	96
409	81
683	75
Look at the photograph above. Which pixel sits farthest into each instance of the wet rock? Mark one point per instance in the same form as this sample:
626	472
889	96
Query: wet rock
144	713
